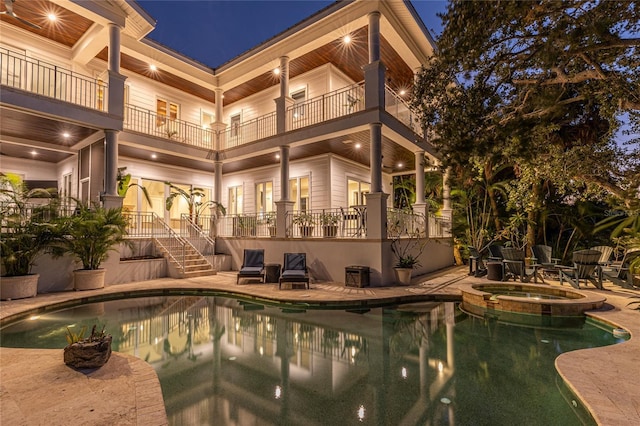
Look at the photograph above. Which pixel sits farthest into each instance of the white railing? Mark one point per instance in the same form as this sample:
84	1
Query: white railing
397	106
439	226
198	237
42	78
248	225
249	131
150	123
405	223
328	223
331	105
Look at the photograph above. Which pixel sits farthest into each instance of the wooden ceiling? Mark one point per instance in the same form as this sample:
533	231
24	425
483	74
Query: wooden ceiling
67	29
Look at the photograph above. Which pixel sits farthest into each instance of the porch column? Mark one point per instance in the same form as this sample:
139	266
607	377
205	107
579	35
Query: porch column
284	206
374	71
420	207
446	199
217	180
284	100
219	126
375	156
115	105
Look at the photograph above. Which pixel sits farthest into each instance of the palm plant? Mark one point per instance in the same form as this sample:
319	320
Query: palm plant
25	231
194	197
91	233
124	184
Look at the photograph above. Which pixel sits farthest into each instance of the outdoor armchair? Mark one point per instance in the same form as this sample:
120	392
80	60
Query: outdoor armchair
252	265
294	269
585	267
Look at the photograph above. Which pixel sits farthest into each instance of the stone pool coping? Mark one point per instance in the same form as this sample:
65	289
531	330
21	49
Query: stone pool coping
605	378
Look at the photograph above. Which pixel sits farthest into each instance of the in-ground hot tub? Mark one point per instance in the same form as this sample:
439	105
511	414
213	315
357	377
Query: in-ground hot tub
529	304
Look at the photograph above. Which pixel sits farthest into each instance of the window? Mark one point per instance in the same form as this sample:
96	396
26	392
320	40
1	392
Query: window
356	191
299	193
166	110
264	197
206	119
298	101
235	125
235	200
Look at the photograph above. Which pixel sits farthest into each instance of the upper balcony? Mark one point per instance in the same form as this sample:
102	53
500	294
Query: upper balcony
321	109
45	79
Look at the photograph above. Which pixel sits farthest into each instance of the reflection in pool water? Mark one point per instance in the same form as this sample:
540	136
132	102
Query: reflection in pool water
225	361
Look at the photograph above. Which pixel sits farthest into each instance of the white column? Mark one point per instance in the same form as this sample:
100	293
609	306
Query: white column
217	183
284	100
114	47
284	76
375	156
284	206
374	37
419	177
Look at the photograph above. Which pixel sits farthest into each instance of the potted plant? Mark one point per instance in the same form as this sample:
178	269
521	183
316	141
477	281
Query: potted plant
25	233
329	222
89	235
407	245
269	219
306	223
87	352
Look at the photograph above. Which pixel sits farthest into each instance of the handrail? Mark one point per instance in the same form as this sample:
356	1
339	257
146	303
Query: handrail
196	237
397	106
151	123
146	224
40	77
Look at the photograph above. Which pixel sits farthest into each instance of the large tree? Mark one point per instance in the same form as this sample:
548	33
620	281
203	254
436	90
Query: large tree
542	85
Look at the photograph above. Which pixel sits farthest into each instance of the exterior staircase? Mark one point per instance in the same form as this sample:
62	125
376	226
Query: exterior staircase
184	260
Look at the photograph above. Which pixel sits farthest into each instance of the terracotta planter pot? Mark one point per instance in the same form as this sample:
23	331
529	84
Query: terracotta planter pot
88	279
403	275
19	287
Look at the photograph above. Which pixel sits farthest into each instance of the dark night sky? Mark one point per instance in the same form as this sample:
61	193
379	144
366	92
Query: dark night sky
215	31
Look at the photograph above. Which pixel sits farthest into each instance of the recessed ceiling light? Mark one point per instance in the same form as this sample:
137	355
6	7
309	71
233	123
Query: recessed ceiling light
400	165
277	156
34	152
52	16
346	39
276	71
403	92
358	145
152	67
66	134
154	156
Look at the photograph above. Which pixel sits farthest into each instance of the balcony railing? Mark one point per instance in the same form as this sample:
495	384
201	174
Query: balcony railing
404	223
42	78
397	106
249	131
323	108
150	123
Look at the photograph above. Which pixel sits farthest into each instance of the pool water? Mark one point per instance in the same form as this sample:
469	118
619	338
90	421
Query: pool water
226	361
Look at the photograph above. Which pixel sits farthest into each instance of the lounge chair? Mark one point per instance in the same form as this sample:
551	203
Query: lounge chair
620	272
515	266
605	258
252	265
476	265
495	252
294	269
585	267
548	264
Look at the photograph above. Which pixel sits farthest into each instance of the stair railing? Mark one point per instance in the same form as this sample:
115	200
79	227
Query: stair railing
195	234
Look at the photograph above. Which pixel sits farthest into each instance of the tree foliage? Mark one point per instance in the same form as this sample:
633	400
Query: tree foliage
541	86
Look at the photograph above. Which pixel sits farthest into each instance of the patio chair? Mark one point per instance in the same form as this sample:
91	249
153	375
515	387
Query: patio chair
252	265
495	252
607	251
476	265
548	264
515	266
620	272
585	267
294	269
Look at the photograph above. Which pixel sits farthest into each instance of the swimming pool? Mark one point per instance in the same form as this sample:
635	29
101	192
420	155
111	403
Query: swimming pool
222	360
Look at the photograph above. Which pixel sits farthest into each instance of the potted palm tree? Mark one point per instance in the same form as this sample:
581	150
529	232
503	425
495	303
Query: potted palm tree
407	244
306	223
329	222
194	198
25	233
89	235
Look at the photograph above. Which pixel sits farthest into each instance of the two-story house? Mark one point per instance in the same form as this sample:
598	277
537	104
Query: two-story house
298	138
